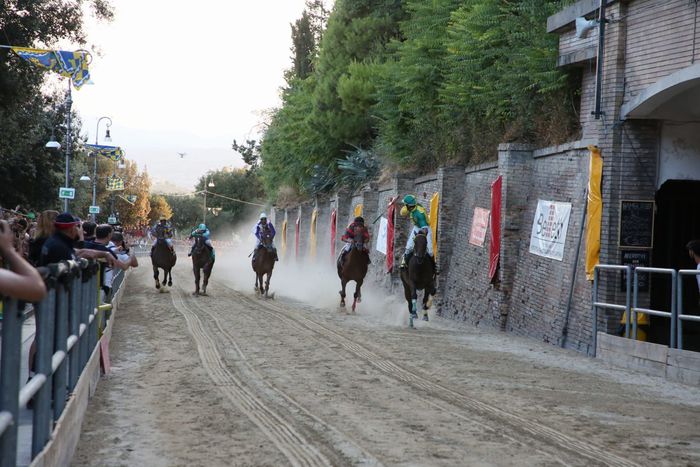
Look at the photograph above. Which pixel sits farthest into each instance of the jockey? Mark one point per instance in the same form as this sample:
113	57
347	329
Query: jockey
419	217
350	235
163	230
202	231
262	225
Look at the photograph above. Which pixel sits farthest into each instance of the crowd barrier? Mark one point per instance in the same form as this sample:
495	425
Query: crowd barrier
69	322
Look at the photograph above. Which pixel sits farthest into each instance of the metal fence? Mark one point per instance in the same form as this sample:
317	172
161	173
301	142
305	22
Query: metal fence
66	335
676	314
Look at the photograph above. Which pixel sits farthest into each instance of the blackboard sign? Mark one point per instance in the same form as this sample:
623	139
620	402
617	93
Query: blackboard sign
636	258
636	224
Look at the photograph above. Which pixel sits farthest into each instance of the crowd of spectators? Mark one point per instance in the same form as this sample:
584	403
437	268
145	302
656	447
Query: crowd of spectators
28	242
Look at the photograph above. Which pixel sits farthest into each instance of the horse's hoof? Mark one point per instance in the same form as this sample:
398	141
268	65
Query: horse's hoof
359	299
425	317
194	294
203	294
414	315
157	285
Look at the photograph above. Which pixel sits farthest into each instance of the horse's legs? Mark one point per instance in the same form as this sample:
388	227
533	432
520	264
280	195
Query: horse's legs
205	281
170	277
426	304
267	282
155	276
196	280
357	297
343	283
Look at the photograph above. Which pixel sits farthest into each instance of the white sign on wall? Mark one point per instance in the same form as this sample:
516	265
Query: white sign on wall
480	223
549	229
382	235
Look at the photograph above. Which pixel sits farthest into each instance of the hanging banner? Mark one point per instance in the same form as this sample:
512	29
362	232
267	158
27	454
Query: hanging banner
284	238
333	232
312	234
358	210
480	223
434	207
495	232
73	65
549	229
115	183
114	153
296	239
390	215
382	235
594	212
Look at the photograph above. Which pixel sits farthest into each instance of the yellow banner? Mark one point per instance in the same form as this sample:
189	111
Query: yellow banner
283	247
312	247
358	210
594	212
433	221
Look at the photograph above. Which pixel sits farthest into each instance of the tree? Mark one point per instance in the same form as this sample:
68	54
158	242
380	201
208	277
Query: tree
136	184
159	208
187	211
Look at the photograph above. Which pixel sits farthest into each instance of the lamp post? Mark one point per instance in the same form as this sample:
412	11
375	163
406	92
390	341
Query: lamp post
53	144
108	138
211	185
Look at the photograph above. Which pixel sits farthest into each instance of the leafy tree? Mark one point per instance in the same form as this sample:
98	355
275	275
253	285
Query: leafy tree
250	151
187	211
159	208
136	184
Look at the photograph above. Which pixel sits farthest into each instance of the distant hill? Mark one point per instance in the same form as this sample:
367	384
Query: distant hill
165	187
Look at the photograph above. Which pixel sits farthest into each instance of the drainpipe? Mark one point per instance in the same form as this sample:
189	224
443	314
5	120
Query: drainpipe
599	61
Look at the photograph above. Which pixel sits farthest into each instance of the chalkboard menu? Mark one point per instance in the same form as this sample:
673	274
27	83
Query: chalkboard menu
636	224
636	258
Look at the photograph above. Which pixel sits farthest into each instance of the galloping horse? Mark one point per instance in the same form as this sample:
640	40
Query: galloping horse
354	268
203	260
264	263
419	275
163	258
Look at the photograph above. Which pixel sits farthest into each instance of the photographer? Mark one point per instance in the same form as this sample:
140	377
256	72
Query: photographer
22	281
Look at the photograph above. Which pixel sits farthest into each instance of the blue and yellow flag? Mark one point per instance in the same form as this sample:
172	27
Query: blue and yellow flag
73	65
111	152
115	183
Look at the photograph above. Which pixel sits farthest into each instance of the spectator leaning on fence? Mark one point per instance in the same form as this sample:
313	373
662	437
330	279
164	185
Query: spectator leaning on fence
60	246
103	234
44	229
22	281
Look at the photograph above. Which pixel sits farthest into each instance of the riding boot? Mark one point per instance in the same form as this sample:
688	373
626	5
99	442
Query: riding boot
274	251
190	253
404	260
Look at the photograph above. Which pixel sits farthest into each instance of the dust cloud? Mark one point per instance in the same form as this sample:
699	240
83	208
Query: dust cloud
312	283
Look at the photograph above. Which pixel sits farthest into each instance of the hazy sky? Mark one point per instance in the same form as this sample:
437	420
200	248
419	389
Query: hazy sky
186	77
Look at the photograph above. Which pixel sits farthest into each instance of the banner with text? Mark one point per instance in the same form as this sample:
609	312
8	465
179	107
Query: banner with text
549	229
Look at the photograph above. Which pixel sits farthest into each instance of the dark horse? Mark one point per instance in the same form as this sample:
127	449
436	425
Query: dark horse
162	257
202	260
264	263
419	275
354	266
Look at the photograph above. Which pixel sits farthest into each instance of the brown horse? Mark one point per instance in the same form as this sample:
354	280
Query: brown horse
264	263
419	275
354	266
202	261
163	258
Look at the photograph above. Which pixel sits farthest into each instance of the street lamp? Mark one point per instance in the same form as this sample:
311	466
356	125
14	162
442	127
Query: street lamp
211	185
55	145
84	178
108	138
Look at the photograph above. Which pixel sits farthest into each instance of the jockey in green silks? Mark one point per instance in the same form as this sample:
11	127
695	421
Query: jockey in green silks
202	231
419	218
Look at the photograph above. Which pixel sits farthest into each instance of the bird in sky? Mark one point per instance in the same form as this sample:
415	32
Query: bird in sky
182	154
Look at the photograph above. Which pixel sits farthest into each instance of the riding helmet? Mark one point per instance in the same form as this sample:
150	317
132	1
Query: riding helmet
409	200
360	219
202	227
263	215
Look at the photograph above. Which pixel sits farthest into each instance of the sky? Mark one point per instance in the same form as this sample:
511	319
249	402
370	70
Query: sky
186	77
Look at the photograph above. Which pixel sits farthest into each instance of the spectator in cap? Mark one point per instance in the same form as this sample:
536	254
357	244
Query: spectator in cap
61	245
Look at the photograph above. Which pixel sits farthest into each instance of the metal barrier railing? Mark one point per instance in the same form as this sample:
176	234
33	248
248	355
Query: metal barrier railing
664	314
596	304
680	315
66	335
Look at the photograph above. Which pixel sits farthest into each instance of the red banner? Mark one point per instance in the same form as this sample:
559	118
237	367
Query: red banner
296	239
495	232
390	213
333	231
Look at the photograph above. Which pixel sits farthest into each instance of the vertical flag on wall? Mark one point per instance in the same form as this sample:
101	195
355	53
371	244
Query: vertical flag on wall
296	238
333	232
358	210
434	206
312	235
284	237
594	212
495	232
390	213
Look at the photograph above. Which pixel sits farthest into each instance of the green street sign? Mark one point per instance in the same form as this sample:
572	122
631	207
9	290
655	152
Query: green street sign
66	193
111	220
94	210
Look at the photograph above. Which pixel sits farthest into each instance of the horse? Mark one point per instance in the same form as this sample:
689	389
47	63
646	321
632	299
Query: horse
264	263
419	275
202	261
162	257
354	268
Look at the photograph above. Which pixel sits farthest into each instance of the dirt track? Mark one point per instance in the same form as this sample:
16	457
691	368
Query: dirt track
230	379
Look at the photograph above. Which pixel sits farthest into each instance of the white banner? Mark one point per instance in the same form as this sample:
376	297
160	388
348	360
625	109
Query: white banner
549	229
382	234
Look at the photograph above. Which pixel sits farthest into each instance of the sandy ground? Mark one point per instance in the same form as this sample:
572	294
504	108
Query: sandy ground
231	379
